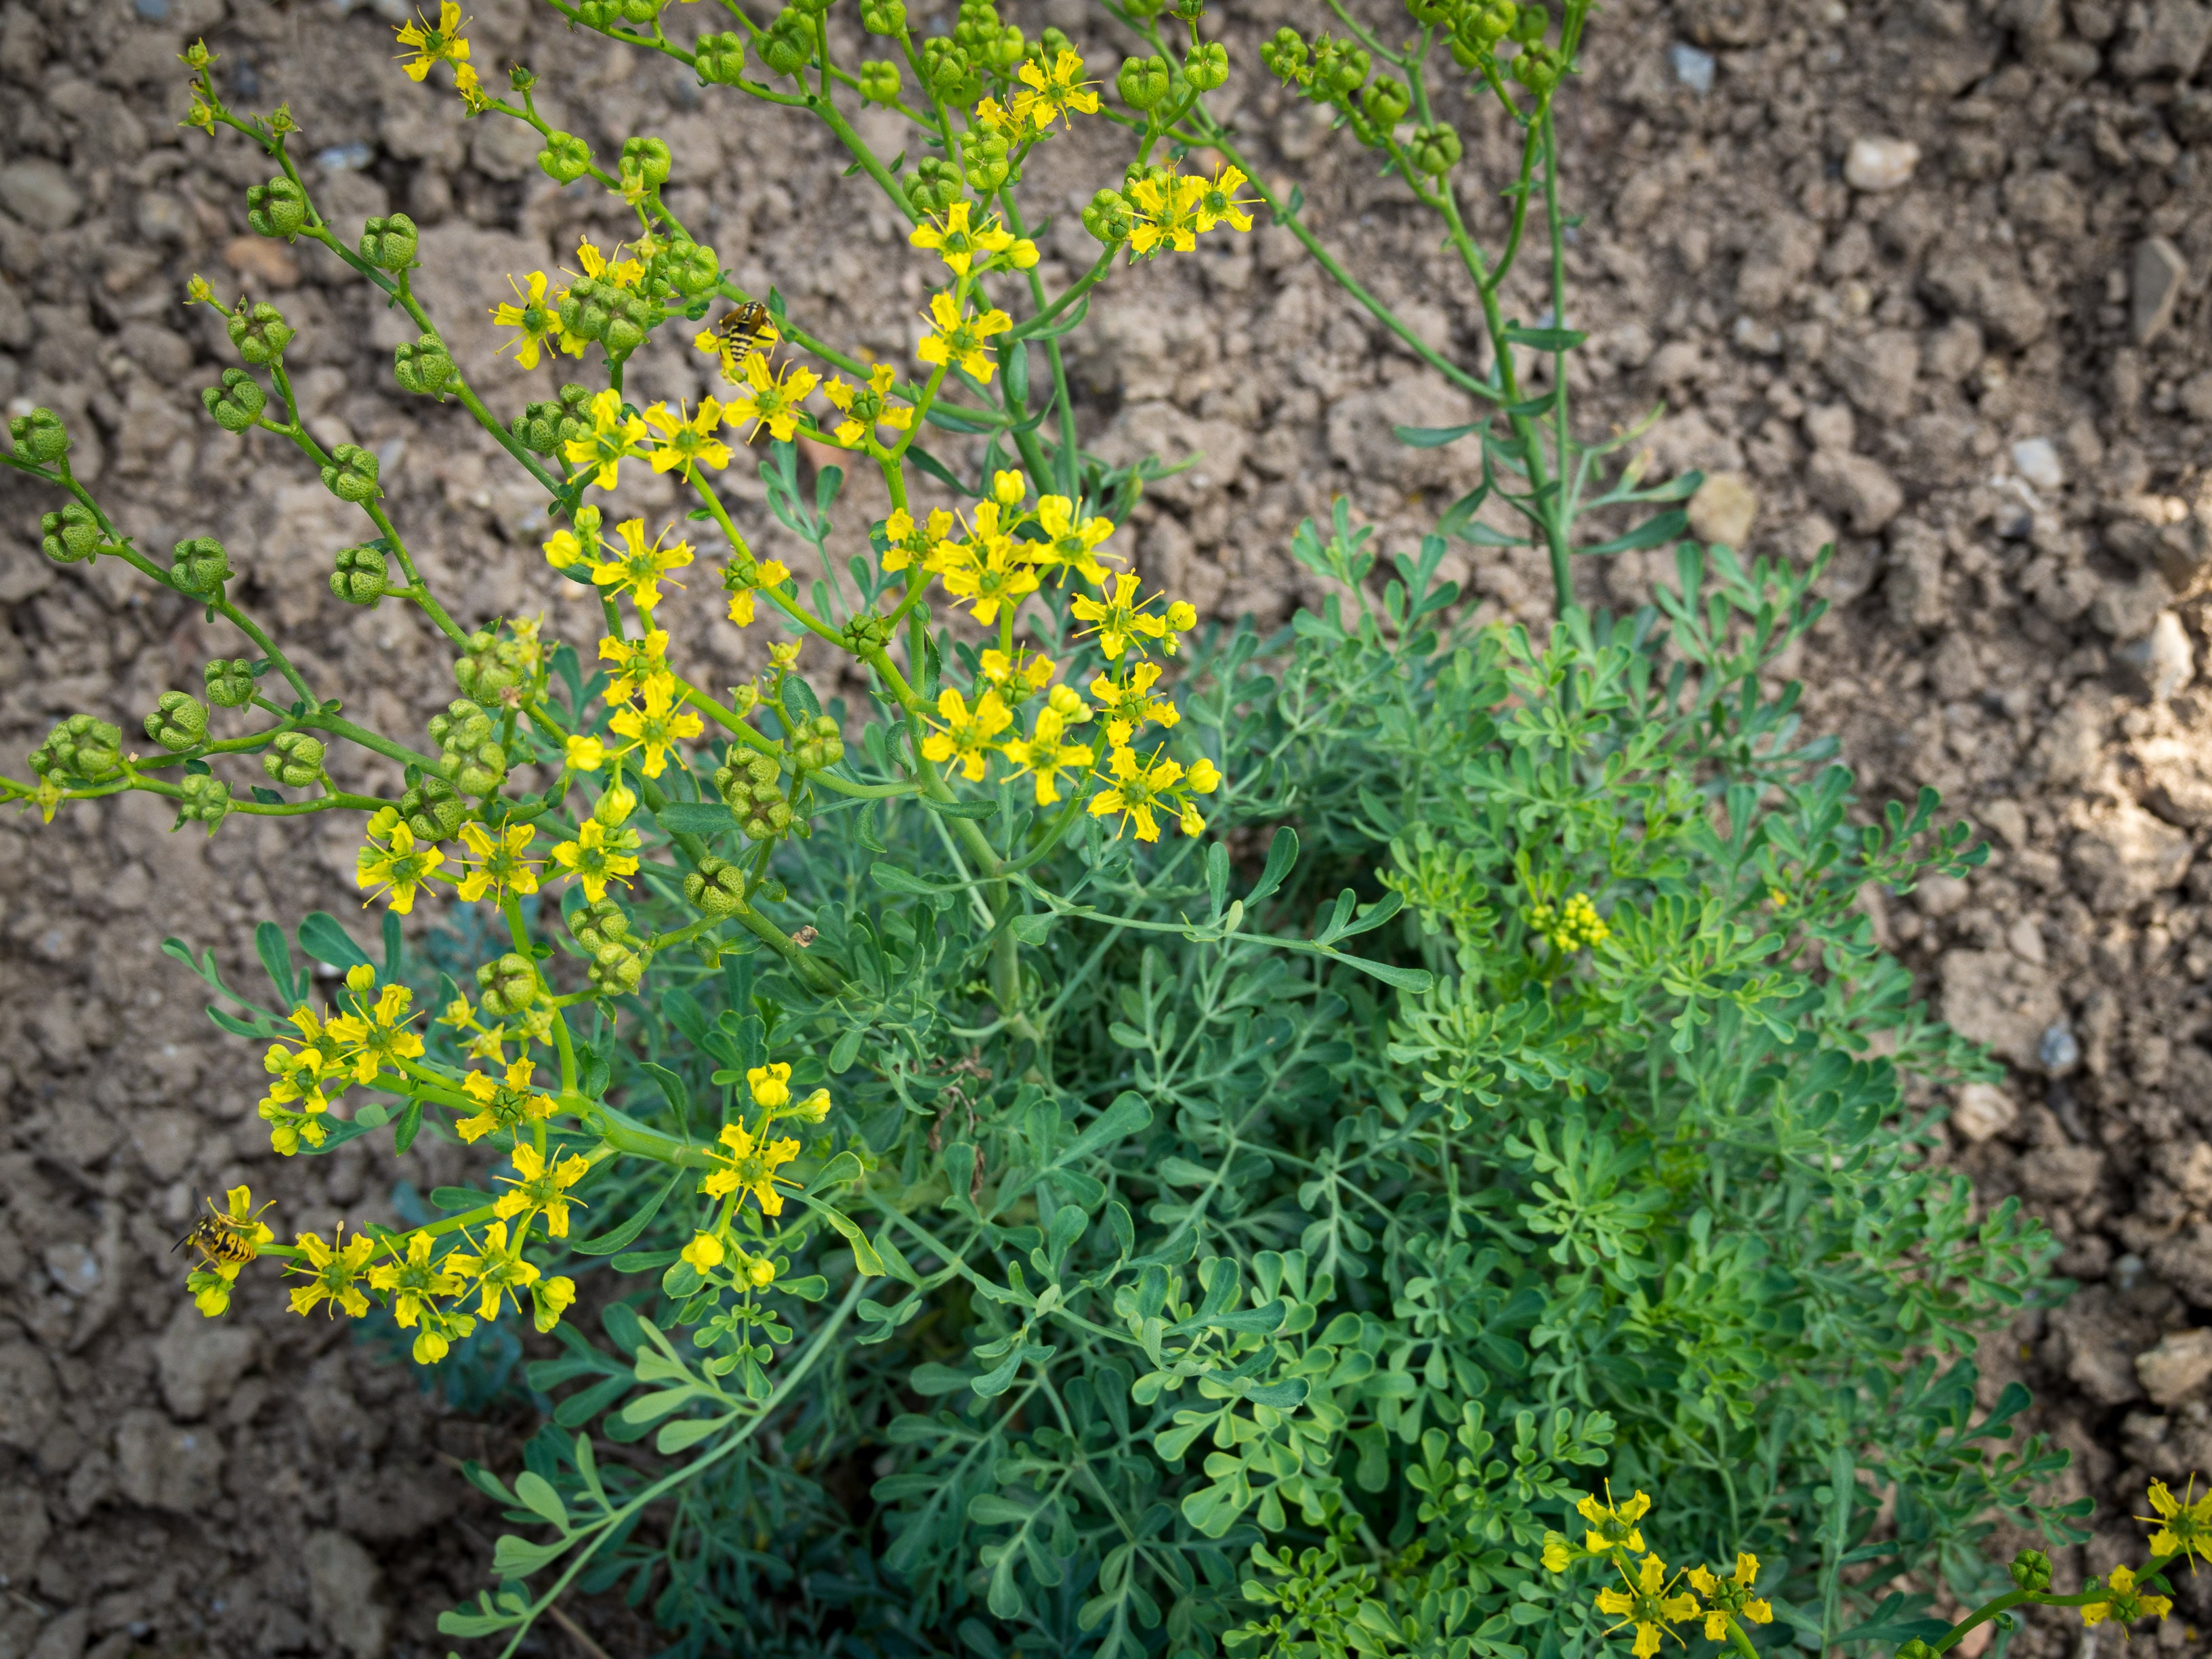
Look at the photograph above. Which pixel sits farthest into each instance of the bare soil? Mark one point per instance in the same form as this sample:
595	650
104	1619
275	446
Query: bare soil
1987	382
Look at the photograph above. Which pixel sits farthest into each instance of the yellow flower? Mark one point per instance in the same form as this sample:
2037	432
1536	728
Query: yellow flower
613	439
333	1272
867	407
541	1186
1646	1606
771	397
506	1105
567	546
957	243
584	754
552	1297
1613	1527
413	1280
743	581
598	856
500	868
965	737
1128	703
1558	1554
637	570
1019	677
1044	755
2184	1527
769	1085
634	663
474	98
1138	790
999	577
1071	542
498	1275
429	44
751	1167
656	727
2123	1601
961	340
1218	201
704	1251
1121	620
398	864
1060	91
376	1035
904	541
1731	1597
623	273
538	323
1167	214
688	442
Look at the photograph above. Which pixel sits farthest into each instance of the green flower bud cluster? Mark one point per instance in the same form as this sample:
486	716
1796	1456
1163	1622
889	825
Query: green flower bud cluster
200	567
609	14
947	72
594	308
432	809
717	887
352	475
507	985
82	749
360	575
1187	11
1384	103
1108	216
935	186
988	43
882	16
294	760
71	534
879	80
689	269
751	789
425	367
259	332
1538	68
565	159
719	59
278	208
604	931
788	45
543	427
1144	84
647	159
180	720
237	402
1434	149
490	665
38	436
470	755
229	684
1287	56
817	744
985	161
389	243
206	800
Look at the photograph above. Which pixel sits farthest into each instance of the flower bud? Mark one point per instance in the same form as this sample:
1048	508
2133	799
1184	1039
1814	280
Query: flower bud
565	159
260	332
1285	56
648	159
278	208
1207	65
719	59
614	807
470	756
934	187
236	404
2031	1571
352	476
490	666
815	1109
1434	149
81	748
199	566
38	435
519	77
985	161
360	574
616	970
389	242
879	80
71	534
206	800
294	760
717	887
508	986
424	367
1107	217
180	720
882	16
596	926
229	684
787	44
751	791
817	744
432	809
1143	83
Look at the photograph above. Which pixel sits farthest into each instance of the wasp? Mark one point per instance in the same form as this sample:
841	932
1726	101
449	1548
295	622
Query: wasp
224	1240
742	333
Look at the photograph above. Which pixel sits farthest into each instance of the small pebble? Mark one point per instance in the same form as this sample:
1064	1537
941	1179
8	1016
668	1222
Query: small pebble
1879	164
2036	459
345	158
73	1268
2058	1052
1693	68
152	10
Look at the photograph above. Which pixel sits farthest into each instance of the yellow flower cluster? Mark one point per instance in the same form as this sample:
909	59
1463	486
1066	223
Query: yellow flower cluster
1047	96
1569	926
354	1048
1172	211
748	1163
338	1273
535	315
1650	1602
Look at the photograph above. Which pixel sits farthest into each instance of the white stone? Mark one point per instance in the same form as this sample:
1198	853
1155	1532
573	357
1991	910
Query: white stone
1983	1110
2036	459
1723	509
1879	164
2177	1367
2161	662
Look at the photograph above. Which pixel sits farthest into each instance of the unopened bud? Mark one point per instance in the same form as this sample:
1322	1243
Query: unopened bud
180	720
614	807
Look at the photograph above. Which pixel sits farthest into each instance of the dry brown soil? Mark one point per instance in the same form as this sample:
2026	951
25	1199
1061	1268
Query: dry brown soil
1989	384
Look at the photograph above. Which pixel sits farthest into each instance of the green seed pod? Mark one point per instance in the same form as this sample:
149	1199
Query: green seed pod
1434	149
2031	1571
424	367
719	59
82	749
1385	102
1108	216
750	790
935	186
38	436
596	926
360	574
949	73
490	666
236	404
985	161
507	985
278	208
470	755
260	332
1207	65
1144	84
690	268
199	566
817	744
607	14
229	684
788	44
1481	26
1001	51
294	760
70	535
882	16
180	720
565	159
879	80
1432	13
1537	69
1187	11
616	970
1285	56
389	243
716	887
353	476
1532	23
648	159
207	800
432	809
546	427
1338	70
